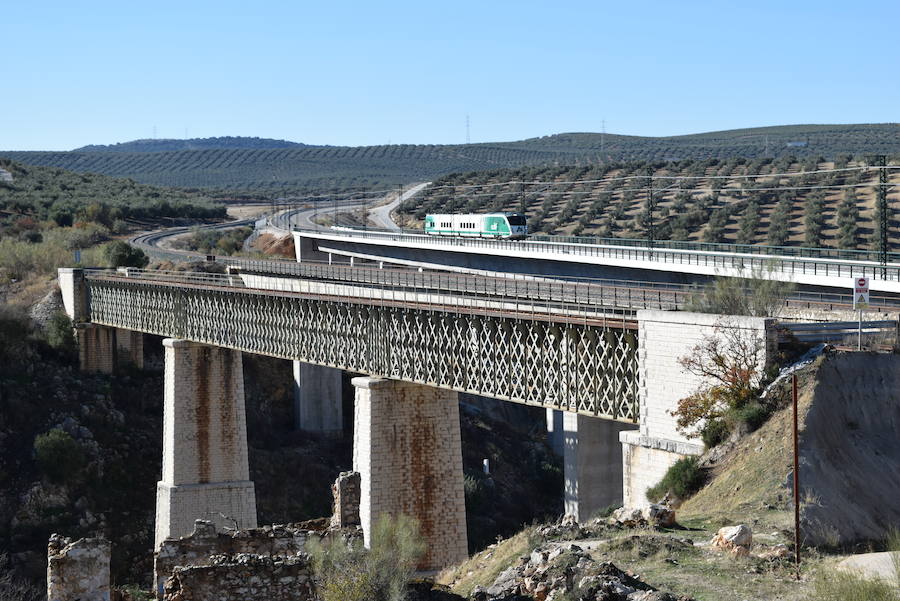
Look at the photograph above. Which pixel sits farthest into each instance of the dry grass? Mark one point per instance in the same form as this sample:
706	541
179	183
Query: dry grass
484	567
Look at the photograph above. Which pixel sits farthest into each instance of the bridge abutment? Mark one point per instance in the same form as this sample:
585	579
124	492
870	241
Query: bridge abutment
592	464
407	449
206	472
663	338
318	399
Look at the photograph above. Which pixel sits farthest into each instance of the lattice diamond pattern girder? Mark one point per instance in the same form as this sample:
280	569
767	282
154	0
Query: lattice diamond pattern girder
579	367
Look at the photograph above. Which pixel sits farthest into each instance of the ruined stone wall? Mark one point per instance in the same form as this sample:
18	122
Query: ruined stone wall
346	491
243	578
79	570
205	543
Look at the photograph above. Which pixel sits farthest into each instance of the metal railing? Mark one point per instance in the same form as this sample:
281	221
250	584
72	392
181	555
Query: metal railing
621	294
839	332
766	265
546	300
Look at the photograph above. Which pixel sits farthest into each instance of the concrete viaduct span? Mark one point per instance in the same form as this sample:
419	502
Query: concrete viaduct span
608	382
666	261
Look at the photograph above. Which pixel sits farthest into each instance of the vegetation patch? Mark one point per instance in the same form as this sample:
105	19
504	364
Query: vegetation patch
682	480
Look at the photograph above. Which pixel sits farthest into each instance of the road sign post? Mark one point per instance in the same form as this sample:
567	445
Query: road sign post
860	302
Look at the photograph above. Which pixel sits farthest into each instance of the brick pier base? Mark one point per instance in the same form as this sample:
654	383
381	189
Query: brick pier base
406	448
205	472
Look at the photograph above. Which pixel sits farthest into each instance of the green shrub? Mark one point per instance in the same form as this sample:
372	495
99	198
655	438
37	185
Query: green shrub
682	480
58	455
59	332
352	573
122	254
753	415
714	432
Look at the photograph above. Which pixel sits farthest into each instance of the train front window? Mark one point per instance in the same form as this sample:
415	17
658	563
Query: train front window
516	219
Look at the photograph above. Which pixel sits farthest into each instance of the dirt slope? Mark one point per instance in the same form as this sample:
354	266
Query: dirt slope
850	458
850	449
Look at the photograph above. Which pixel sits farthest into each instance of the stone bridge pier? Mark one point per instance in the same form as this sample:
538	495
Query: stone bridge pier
205	470
407	450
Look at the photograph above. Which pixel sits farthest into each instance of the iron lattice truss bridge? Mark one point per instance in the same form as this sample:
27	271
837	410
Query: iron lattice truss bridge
551	360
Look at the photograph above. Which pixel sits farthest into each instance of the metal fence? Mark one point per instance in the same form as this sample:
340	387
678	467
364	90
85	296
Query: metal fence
884	332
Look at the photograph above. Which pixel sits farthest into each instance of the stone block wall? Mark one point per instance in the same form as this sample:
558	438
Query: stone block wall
664	337
205	542
592	464
407	450
79	570
645	461
130	347
72	288
243	578
318	398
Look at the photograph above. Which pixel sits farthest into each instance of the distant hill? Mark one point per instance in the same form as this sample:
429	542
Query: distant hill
171	144
296	169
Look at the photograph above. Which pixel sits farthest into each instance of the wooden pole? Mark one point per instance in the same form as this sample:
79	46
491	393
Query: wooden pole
796	478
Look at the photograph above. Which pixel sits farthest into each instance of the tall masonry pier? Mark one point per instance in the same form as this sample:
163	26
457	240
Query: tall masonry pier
205	472
407	450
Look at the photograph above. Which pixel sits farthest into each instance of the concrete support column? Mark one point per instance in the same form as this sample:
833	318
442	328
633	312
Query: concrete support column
406	447
555	435
130	345
205	471
593	464
96	348
318	398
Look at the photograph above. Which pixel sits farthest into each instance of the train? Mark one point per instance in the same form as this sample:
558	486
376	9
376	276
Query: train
511	226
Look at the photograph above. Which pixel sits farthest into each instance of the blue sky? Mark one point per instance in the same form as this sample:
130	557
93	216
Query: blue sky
356	73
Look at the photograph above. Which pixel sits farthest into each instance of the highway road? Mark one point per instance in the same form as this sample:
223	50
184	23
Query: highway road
381	215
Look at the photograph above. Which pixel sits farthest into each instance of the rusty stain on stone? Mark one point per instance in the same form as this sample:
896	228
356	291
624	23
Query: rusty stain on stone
202	410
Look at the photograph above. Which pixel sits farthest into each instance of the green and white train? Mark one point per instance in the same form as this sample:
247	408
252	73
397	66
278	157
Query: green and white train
511	226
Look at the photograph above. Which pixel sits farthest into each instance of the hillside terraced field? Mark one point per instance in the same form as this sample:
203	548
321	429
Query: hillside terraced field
786	201
247	164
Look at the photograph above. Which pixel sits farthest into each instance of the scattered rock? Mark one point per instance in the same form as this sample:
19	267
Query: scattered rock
43	310
735	539
650	515
552	574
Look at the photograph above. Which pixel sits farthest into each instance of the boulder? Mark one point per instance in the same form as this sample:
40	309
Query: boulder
735	539
649	515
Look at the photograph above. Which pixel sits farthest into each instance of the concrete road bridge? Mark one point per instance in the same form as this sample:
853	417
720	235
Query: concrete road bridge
681	262
602	363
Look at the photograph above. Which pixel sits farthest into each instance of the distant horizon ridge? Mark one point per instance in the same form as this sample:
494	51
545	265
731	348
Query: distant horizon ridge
263	142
